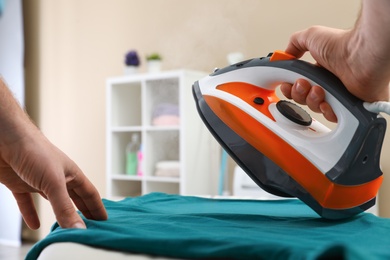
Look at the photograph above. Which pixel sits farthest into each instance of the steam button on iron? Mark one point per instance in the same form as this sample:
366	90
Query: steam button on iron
258	100
294	113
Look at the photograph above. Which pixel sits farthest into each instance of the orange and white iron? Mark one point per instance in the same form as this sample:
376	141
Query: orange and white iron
281	147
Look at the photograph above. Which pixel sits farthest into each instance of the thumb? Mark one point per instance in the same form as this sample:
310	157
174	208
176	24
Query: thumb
298	43
313	39
323	43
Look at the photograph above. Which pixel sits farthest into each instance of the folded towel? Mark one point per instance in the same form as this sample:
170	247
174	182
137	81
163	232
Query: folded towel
168	169
166	114
166	120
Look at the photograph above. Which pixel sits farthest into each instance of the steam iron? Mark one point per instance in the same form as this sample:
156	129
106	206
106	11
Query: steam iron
281	147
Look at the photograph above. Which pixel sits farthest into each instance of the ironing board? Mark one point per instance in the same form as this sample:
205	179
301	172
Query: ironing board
173	226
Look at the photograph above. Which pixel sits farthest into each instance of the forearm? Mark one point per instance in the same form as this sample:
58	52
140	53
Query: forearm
14	122
368	49
374	25
371	34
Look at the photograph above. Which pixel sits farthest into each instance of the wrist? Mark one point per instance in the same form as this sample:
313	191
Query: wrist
368	56
372	28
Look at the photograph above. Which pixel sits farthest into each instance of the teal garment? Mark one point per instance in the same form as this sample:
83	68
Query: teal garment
193	227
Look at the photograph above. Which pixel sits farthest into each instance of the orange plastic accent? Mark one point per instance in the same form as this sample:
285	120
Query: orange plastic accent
327	194
352	196
281	55
248	92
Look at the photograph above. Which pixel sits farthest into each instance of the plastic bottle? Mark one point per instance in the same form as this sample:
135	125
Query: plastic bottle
140	157
131	155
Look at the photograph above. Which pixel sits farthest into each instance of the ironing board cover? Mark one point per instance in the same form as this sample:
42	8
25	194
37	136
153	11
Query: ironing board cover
192	227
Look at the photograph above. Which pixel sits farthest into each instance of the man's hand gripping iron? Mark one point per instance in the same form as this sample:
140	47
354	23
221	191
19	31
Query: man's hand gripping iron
282	148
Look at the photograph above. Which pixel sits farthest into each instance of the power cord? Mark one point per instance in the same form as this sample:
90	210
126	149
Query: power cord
377	107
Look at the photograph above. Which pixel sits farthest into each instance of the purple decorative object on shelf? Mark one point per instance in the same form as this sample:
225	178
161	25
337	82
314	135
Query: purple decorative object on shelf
132	59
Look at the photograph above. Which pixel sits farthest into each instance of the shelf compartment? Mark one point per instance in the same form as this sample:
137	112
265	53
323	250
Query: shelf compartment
163	94
161	146
125	104
118	150
122	189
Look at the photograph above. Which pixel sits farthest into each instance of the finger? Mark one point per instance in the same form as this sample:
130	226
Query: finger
315	97
27	209
86	197
91	207
78	201
63	208
328	112
286	88
300	91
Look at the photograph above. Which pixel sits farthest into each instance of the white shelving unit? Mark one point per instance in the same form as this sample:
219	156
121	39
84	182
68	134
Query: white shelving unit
131	102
